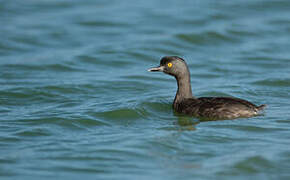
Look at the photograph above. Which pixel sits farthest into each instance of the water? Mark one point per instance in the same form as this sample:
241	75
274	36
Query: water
76	99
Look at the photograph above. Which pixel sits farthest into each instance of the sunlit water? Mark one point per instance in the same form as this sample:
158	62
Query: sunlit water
76	100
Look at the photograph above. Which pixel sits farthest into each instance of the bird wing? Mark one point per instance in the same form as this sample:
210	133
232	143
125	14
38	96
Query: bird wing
218	107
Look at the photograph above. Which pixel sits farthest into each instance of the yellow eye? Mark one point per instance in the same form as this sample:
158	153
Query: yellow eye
169	65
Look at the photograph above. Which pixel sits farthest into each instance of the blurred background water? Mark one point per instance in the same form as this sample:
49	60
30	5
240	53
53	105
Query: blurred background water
76	100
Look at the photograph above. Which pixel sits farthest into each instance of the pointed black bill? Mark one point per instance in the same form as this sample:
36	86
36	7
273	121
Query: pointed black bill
155	69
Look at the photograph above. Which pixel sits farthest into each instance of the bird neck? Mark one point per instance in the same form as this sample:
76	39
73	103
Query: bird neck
184	88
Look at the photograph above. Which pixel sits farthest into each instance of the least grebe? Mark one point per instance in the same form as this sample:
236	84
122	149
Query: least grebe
203	107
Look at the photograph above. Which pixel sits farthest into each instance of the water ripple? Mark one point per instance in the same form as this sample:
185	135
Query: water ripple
206	38
274	82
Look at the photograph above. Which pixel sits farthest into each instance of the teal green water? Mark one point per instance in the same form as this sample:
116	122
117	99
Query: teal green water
76	100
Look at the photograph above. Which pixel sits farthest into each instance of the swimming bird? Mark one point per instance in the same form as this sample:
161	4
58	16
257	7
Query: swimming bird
204	107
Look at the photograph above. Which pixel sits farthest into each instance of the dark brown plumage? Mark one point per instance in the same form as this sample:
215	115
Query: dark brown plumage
203	107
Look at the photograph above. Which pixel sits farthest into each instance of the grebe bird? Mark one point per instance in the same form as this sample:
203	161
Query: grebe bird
203	107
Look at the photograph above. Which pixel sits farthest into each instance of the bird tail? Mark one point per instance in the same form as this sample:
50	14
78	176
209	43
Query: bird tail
261	107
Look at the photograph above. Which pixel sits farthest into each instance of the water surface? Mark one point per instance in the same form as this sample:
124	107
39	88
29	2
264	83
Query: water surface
76	99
